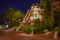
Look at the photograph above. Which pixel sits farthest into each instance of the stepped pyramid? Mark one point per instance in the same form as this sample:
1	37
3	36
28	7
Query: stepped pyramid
35	12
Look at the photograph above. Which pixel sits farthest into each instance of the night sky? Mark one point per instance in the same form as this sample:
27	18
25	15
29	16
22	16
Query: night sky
22	5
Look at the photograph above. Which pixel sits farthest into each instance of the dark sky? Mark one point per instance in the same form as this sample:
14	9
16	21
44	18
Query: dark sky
22	5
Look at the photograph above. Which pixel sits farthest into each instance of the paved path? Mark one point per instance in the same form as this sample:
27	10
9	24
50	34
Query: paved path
22	36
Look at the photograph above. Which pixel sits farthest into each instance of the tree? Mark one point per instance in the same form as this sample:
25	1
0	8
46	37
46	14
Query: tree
52	14
14	17
49	15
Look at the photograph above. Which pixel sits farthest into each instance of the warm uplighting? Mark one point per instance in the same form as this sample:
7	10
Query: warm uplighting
33	14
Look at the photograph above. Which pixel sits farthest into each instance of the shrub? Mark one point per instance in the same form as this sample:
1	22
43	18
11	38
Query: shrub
29	29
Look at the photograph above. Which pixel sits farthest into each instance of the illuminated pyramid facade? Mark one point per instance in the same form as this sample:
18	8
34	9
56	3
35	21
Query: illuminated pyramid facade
32	14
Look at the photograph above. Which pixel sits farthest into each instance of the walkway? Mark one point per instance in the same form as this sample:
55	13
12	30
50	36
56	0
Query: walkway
22	36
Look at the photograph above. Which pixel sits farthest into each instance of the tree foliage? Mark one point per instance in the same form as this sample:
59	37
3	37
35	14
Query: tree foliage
14	17
48	14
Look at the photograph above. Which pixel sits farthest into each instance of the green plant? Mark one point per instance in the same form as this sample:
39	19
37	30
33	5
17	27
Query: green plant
29	29
14	17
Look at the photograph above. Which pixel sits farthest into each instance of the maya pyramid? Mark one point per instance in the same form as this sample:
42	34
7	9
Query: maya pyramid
34	13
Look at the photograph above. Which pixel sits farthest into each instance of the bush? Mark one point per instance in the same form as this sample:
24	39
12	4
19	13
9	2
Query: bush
29	29
38	27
